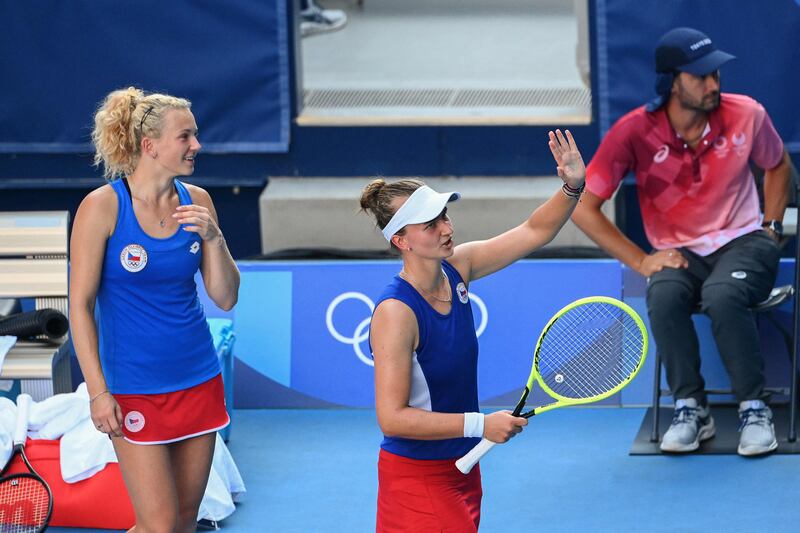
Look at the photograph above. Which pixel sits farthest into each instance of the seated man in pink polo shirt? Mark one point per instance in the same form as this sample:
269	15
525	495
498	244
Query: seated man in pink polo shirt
689	149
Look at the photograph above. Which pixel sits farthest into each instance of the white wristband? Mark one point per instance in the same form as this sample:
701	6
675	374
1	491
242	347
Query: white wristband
473	425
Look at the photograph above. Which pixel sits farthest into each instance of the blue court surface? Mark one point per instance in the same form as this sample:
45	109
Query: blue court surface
315	471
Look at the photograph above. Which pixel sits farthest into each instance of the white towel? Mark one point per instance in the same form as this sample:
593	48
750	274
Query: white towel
225	486
6	343
8	421
51	418
84	450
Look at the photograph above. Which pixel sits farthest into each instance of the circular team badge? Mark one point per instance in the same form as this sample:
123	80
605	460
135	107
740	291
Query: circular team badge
133	258
463	295
134	421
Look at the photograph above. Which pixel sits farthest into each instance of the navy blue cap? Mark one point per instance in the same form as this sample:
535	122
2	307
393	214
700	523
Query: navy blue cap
684	50
689	50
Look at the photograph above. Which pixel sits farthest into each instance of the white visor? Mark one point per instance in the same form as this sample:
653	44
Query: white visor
423	205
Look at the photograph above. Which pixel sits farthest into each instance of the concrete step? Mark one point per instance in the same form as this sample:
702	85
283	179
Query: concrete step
322	212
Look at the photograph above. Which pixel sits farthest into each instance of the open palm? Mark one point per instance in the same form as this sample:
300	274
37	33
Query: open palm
568	159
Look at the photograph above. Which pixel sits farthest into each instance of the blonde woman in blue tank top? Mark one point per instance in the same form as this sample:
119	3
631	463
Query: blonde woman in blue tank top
423	342
138	329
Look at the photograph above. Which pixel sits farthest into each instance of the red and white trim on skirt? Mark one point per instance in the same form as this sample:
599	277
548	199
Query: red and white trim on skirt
426	495
174	416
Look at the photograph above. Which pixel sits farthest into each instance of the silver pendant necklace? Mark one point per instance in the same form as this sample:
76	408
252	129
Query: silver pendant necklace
163	220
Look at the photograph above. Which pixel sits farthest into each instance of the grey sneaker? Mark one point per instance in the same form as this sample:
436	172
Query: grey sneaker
316	19
691	424
758	432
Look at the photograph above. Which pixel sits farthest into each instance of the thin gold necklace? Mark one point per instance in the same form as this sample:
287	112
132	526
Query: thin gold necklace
405	275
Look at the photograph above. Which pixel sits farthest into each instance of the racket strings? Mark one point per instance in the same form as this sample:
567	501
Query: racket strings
590	350
24	504
596	369
595	365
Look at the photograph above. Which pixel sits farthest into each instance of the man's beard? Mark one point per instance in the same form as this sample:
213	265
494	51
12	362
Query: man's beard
706	104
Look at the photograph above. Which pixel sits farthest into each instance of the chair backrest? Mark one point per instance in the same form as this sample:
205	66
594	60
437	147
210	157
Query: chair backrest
791	224
790	218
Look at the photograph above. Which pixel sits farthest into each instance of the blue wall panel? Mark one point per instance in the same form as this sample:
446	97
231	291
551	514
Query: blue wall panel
232	60
762	35
264	323
302	329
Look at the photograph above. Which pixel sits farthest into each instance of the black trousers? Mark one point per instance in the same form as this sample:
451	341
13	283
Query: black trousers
727	283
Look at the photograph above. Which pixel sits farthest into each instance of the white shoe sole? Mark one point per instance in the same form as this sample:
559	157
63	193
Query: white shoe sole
705	433
753	451
308	29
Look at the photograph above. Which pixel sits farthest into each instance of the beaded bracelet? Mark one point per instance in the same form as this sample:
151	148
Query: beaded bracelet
572	192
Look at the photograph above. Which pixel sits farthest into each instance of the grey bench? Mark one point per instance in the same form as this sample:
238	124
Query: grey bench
33	264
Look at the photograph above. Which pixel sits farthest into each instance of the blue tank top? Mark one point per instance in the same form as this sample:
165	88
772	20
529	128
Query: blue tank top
444	369
153	334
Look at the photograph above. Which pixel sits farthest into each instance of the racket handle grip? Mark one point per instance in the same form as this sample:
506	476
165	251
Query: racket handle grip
472	457
23	411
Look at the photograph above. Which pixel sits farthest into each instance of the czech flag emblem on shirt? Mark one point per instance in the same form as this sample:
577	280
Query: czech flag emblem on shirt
133	258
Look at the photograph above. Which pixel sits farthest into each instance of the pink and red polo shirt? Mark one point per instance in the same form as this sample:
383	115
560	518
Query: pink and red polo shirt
699	199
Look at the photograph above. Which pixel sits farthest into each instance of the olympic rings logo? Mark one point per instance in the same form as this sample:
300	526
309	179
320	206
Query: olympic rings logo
361	332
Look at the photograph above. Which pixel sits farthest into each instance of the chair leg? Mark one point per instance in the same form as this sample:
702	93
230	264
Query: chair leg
787	337
793	396
654	433
793	412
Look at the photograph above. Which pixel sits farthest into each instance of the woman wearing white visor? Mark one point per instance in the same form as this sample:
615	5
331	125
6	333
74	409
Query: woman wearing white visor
425	349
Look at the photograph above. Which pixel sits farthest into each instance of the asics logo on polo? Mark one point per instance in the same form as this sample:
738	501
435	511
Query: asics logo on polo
662	154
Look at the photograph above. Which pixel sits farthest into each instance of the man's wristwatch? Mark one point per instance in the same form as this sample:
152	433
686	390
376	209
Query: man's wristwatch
774	225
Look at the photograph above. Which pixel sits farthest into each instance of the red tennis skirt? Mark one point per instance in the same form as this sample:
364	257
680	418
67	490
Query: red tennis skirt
426	495
174	416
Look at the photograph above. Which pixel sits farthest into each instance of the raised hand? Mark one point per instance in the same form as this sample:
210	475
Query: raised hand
199	219
568	159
